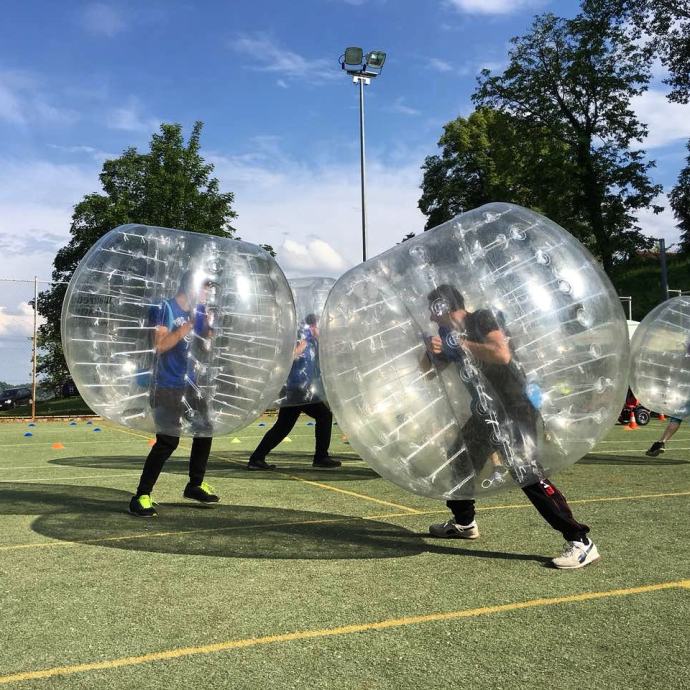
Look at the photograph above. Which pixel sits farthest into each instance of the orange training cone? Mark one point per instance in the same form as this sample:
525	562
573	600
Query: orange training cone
57	446
662	417
152	441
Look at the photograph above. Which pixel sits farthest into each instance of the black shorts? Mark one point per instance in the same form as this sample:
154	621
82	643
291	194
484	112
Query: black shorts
174	406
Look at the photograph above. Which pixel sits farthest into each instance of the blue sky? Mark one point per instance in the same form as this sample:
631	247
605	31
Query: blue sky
80	81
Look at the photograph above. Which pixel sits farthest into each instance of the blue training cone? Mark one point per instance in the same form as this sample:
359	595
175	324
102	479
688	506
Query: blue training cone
28	433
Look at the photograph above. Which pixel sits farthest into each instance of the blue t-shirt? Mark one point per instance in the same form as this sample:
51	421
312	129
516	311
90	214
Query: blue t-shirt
305	369
170	367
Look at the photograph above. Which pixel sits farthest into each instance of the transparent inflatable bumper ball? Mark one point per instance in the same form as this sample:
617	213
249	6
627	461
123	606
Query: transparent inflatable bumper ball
660	359
177	332
487	352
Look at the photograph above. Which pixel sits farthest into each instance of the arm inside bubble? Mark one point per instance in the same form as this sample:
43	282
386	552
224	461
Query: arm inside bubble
494	349
300	348
165	339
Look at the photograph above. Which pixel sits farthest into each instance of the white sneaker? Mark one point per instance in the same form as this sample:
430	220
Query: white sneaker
576	554
451	530
496	479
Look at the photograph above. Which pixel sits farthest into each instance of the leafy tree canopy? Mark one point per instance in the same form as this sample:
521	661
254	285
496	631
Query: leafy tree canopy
489	156
575	79
170	185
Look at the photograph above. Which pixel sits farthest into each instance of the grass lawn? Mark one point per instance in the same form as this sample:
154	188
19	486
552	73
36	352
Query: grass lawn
45	408
328	579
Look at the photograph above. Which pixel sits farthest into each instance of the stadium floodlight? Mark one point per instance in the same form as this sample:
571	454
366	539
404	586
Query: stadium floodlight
352	60
373	63
362	68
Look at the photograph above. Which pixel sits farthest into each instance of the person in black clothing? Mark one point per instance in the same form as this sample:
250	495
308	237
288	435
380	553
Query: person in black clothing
174	394
300	397
475	342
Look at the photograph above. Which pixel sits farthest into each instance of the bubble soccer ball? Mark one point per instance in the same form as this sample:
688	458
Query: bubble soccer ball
660	359
489	351
177	332
304	384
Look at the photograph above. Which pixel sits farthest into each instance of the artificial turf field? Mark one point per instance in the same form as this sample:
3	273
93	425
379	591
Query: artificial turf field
328	579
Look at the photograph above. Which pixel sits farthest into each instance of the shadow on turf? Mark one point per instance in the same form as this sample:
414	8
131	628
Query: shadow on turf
627	460
231	466
99	516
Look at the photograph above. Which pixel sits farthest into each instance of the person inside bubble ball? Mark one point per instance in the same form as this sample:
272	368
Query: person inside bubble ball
475	338
299	398
673	425
180	325
659	446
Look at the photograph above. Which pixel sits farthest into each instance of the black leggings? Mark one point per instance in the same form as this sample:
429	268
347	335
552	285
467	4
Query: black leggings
287	418
163	449
546	498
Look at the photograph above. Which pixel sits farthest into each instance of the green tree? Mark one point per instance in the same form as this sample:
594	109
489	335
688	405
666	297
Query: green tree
488	157
575	78
666	26
170	185
680	203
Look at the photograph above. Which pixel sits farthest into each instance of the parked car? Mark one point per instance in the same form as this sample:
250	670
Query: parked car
11	397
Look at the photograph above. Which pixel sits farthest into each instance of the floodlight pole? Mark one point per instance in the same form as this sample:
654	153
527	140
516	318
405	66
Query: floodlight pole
358	78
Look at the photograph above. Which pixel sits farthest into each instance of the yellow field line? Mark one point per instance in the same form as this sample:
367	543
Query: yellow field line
354	493
182	652
64	479
602	499
48	443
629	450
320	485
174	533
348	518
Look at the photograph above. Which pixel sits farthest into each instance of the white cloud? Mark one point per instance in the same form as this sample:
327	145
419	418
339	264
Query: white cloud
262	53
36	203
440	65
23	103
130	118
102	19
90	151
399	107
491	65
660	225
311	213
668	122
10	106
493	6
18	323
313	256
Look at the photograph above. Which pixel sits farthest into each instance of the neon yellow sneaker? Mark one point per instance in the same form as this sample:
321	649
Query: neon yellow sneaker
204	493
142	506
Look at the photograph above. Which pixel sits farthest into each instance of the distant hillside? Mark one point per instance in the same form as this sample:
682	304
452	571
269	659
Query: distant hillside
641	279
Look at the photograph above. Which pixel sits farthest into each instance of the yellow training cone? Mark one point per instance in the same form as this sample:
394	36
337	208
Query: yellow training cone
235	440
